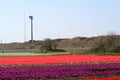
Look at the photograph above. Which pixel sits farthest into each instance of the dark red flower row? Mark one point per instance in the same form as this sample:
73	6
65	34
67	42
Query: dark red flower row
60	71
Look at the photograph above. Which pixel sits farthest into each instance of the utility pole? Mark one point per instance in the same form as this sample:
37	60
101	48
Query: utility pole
24	27
1	46
31	17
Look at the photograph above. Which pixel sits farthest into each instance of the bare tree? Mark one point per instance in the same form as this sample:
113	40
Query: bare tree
47	44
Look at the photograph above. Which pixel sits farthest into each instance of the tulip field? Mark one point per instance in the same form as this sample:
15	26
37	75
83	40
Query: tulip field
62	67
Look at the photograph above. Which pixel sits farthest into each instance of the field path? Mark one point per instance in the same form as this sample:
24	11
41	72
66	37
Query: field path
57	59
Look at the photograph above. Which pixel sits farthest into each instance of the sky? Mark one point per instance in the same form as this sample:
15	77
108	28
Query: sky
57	19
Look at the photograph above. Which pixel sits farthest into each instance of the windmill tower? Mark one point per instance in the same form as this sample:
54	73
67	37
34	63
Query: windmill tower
31	18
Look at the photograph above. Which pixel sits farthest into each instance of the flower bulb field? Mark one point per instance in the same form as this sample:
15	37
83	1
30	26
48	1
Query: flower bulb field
61	67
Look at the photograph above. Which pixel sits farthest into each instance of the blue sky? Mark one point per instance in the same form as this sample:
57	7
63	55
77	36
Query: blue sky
58	18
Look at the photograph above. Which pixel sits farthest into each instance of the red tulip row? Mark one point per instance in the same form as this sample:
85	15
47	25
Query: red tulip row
111	78
63	59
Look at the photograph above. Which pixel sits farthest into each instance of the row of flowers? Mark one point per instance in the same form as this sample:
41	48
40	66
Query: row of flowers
104	78
60	71
63	59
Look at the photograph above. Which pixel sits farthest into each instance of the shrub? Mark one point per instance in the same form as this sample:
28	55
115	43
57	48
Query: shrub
48	45
108	43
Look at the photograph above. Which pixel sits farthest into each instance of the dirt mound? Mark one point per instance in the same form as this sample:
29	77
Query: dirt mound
77	43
